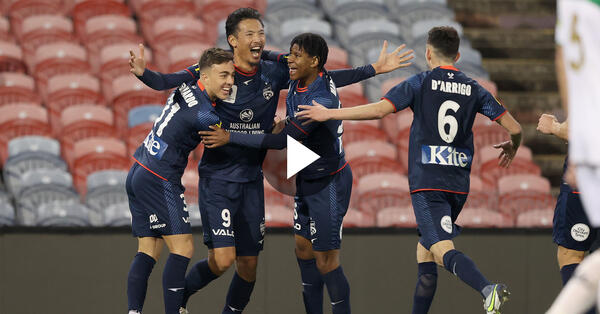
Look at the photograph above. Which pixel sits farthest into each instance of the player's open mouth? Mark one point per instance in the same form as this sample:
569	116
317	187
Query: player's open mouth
225	90
292	71
255	51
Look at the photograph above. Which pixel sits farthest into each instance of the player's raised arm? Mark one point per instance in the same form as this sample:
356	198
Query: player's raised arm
157	80
548	124
509	148
319	113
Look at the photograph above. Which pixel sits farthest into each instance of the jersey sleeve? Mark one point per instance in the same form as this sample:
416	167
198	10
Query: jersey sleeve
403	94
350	76
161	81
293	128
204	119
490	106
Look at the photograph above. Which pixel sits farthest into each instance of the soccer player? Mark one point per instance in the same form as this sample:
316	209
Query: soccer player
154	189
444	102
570	227
231	195
324	187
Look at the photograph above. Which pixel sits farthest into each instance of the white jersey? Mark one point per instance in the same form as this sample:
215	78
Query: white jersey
578	32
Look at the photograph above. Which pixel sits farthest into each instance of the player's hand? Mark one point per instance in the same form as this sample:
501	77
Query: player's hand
278	125
137	64
547	124
397	59
508	153
215	138
317	112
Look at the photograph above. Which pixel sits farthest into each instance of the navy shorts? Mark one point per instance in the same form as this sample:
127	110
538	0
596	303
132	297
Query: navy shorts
157	206
233	214
436	212
318	215
570	227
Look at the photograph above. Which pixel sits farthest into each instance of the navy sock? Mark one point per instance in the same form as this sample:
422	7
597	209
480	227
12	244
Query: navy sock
137	280
198	277
463	267
312	286
174	282
566	272
238	295
339	291
425	289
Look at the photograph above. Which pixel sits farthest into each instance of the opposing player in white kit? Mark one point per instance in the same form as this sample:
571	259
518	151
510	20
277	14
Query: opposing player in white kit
577	68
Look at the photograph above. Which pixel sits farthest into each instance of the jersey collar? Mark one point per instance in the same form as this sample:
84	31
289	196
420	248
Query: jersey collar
448	67
203	90
244	73
306	88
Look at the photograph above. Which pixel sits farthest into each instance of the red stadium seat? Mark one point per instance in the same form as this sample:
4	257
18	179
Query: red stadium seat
360	219
272	196
520	193
128	93
86	9
278	216
490	172
337	58
481	196
366	130
390	83
488	85
403	217
213	11
81	122
11	58
19	120
17	88
114	62
39	30
21	9
536	218
137	134
397	127
352	95
183	56
190	181
5	33
483	218
381	190
104	30
58	58
487	132
151	10
367	157
95	154
68	90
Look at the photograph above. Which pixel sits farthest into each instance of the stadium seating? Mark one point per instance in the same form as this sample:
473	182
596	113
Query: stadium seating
7	213
11	58
483	218
58	58
280	11
117	215
358	219
141	119
19	120
104	188
399	217
39	30
62	214
352	95
84	10
103	30
523	192
19	10
274	197
490	171
382	190
536	218
183	56
367	157
84	121
114	62
17	88
5	34
362	131
278	216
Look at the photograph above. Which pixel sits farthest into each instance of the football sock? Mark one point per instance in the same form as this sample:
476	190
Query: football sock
566	272
312	286
425	289
339	291
463	267
174	282
198	277
238	295
137	280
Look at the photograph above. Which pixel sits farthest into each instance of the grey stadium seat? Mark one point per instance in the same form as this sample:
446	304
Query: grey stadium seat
39	187
117	215
289	29
422	27
281	11
62	214
104	188
347	11
143	114
410	13
7	213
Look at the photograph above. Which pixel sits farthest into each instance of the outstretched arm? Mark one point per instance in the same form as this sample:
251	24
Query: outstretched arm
319	113
548	124
509	148
157	80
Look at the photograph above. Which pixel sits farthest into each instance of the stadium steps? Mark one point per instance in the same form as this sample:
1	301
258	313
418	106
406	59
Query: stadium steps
522	43
505	13
511	74
528	106
551	165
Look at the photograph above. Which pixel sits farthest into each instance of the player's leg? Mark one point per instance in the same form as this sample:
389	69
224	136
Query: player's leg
426	281
215	204
567	262
181	248
249	226
312	283
327	209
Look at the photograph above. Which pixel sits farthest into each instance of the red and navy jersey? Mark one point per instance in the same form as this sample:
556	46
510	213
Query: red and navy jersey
174	135
250	109
444	102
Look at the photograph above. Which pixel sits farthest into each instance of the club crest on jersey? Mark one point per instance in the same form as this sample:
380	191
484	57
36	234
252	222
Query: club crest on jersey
246	115
268	92
446	156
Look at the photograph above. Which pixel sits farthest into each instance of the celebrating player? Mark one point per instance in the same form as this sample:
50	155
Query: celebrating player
154	187
231	195
444	102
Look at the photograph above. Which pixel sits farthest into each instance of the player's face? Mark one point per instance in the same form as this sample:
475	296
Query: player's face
249	41
300	63
220	79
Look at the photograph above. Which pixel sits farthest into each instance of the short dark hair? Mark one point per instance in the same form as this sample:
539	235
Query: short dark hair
445	40
314	45
234	19
213	56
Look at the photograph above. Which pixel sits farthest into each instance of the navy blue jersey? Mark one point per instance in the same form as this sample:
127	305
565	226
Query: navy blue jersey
249	110
444	102
325	138
174	135
564	186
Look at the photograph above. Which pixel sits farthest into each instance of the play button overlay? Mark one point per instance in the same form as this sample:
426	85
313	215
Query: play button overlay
298	157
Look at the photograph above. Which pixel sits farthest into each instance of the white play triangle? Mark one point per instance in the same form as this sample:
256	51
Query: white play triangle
298	156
